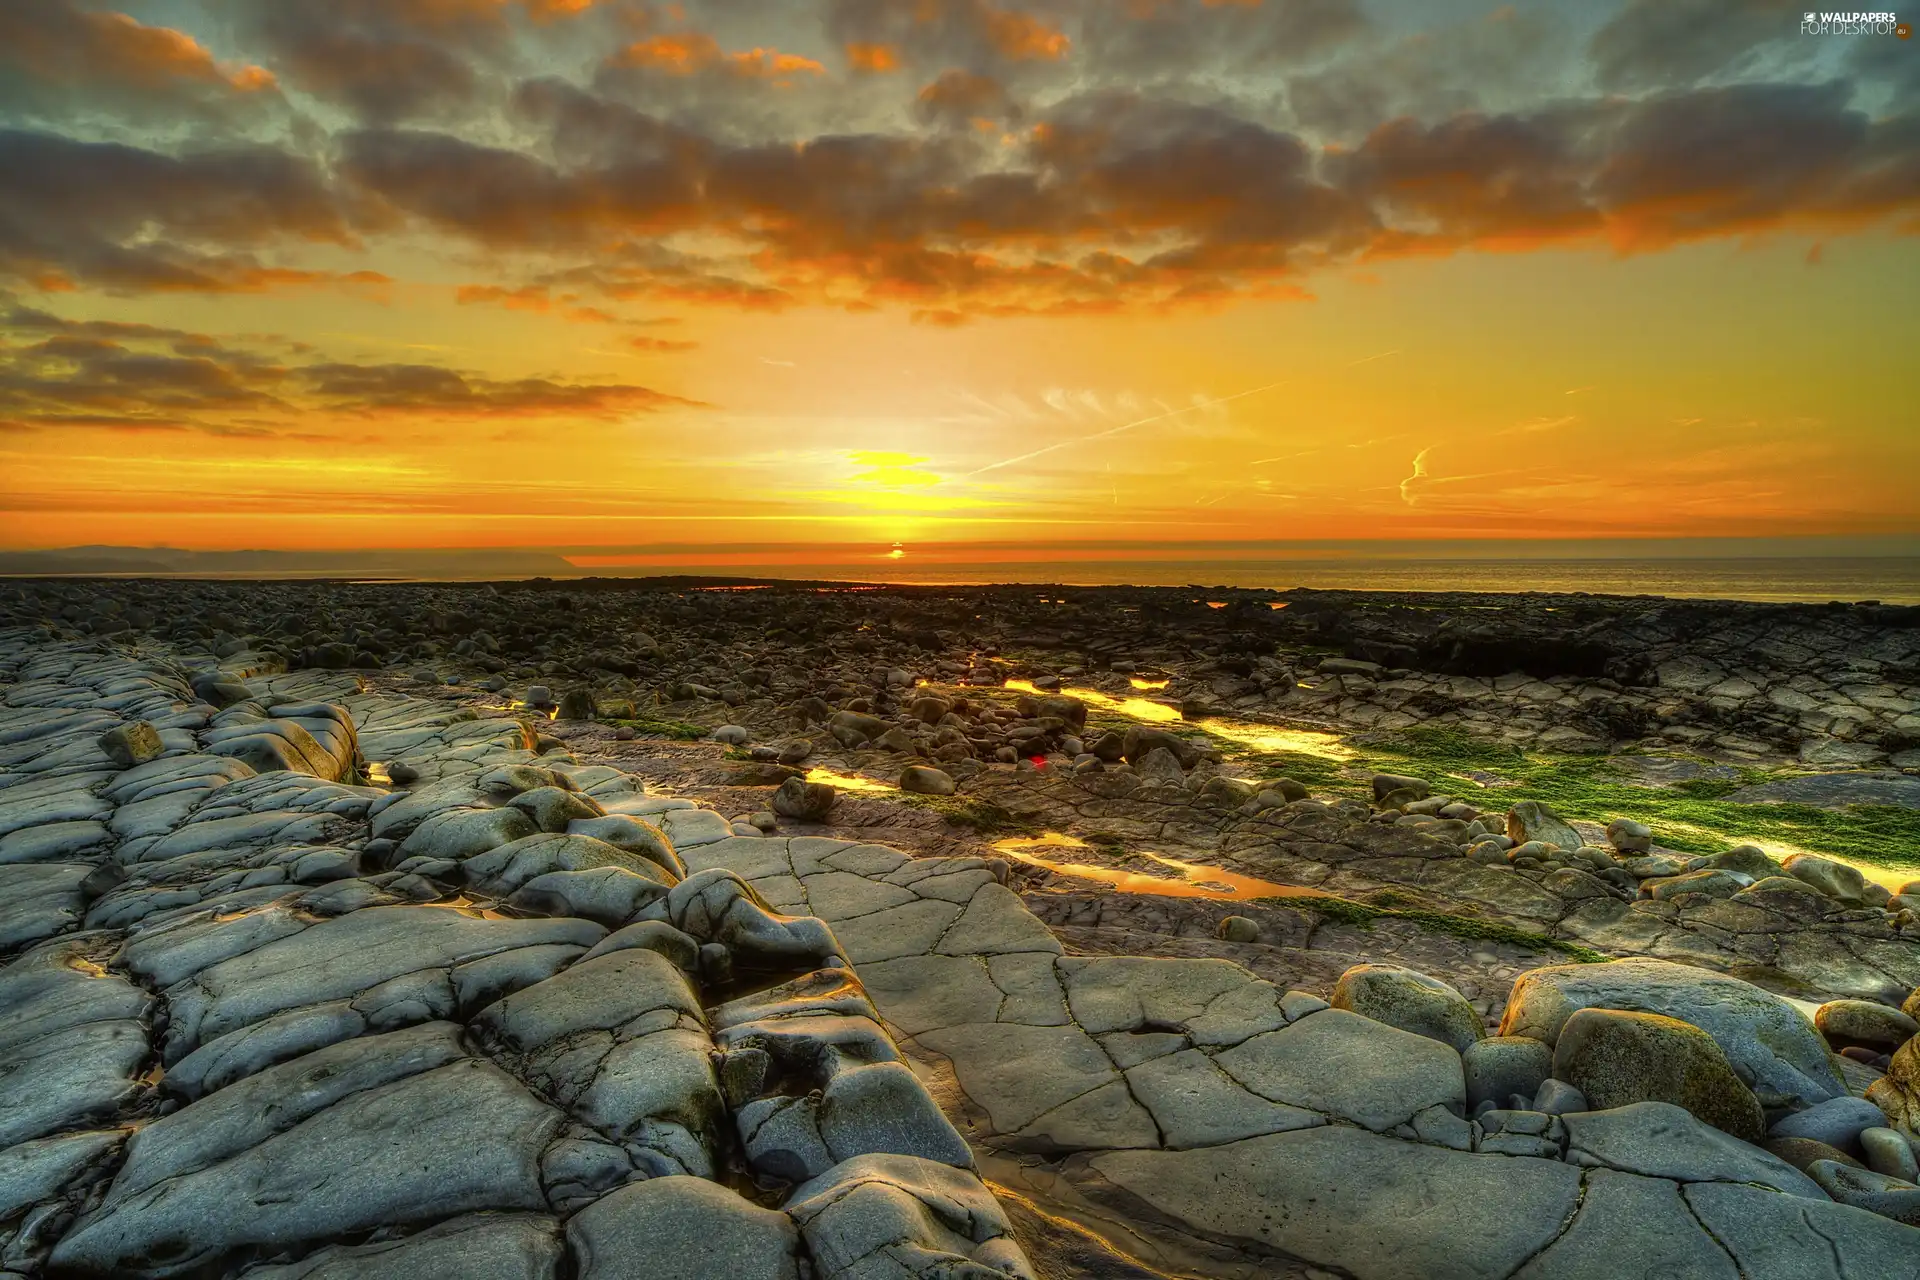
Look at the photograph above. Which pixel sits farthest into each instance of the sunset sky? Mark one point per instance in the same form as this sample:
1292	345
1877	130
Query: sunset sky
602	274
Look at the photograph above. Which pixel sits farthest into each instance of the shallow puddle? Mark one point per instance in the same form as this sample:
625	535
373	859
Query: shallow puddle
1267	737
848	781
1199	882
1133	708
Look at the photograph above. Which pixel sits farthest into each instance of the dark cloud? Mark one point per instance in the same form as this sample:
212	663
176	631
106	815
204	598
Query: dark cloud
128	377
430	391
122	217
384	60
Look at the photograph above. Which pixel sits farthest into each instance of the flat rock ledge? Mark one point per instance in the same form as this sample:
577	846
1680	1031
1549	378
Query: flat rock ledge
261	1018
265	1018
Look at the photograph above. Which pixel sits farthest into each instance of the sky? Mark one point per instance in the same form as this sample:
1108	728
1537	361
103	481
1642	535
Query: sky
1003	274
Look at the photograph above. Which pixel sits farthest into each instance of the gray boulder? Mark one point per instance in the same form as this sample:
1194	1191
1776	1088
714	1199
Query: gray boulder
1769	1043
1532	820
1410	1001
1617	1059
806	801
133	743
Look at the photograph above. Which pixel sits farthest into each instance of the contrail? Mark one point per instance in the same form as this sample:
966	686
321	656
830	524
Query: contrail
1382	356
1114	431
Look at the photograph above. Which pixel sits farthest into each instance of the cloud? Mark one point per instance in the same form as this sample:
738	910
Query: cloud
960	97
58	59
431	391
123	217
1411	486
131	377
1671	43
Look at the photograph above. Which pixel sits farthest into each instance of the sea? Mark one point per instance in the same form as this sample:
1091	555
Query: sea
1883	579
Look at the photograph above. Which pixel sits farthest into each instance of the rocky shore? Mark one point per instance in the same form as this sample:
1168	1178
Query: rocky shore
605	929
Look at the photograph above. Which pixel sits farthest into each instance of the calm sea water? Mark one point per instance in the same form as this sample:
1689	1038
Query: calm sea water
1891	580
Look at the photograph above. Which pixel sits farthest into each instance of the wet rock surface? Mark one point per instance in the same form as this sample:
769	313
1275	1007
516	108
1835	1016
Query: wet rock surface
363	975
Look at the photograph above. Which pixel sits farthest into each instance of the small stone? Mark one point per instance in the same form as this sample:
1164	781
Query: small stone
1558	1098
1629	836
795	751
1385	784
1531	820
1838	1122
1890	1197
1499	1067
539	696
1863	1022
1835	879
762	820
1888	1151
807	801
1238	929
925	780
133	743
576	704
732	735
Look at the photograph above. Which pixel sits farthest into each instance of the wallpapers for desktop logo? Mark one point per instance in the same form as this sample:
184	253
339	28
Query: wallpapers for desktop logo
1854	24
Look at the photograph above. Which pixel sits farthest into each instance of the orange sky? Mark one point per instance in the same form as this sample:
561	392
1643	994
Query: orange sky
446	273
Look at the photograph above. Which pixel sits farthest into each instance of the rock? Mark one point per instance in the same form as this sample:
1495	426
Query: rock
1835	879
539	696
1659	1140
1888	1152
1385	784
1499	1067
1237	929
576	704
1747	860
1628	1225
732	735
509	1246
807	801
1339	1063
1836	1122
1801	1152
925	780
1897	1093
1230	790
1799	1238
1159	765
928	1220
1864	1022
1410	1001
1894	1198
1765	1039
681	1228
1628	836
1617	1059
1427	1211
1558	1098
305	1152
1532	820
133	743
1140	741
795	751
